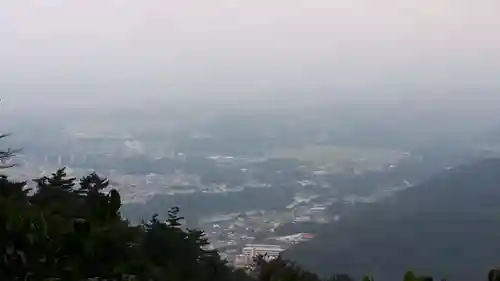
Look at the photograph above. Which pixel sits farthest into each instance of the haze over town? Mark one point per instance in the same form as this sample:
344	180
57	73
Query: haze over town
281	127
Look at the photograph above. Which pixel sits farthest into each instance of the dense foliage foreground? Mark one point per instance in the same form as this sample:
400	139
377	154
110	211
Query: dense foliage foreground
70	230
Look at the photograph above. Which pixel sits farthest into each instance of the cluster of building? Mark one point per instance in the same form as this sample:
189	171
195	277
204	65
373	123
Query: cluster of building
235	234
268	251
251	251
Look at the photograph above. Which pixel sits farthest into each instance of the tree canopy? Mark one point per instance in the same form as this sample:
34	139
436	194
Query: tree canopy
68	231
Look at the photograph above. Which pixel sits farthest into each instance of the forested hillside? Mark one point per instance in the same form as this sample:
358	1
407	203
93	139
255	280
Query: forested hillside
448	227
69	230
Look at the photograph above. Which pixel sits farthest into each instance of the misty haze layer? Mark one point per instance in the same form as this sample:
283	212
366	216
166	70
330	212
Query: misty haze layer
92	52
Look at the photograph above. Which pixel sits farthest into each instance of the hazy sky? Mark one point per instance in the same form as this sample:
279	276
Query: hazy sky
127	50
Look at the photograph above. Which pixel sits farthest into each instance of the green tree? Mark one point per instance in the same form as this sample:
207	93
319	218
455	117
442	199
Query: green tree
494	274
6	155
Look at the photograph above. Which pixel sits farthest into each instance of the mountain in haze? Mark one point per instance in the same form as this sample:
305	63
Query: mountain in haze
448	227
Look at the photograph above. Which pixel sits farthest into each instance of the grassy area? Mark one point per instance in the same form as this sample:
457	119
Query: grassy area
339	156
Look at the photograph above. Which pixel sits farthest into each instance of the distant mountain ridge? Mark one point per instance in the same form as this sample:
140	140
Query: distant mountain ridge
448	227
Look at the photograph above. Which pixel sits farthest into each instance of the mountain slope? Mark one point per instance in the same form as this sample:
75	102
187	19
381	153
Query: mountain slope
448	227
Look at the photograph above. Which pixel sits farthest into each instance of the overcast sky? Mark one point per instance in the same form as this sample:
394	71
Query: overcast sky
128	50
